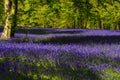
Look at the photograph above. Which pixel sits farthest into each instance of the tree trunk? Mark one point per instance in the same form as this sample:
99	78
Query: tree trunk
99	21
100	24
10	18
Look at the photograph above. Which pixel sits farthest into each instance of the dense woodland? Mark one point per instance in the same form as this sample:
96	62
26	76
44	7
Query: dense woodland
91	14
49	53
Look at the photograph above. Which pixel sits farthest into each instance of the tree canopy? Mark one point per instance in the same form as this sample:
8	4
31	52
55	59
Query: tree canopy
90	14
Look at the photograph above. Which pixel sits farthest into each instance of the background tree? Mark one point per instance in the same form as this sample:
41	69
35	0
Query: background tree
10	18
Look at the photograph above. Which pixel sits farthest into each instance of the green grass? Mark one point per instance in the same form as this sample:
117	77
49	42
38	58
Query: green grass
111	74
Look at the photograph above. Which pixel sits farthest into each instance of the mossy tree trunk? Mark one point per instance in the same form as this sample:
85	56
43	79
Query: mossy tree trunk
10	18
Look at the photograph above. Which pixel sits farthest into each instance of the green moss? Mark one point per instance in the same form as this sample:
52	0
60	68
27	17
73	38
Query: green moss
111	74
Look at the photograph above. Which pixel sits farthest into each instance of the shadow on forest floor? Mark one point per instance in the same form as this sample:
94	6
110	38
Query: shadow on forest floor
82	40
91	39
44	31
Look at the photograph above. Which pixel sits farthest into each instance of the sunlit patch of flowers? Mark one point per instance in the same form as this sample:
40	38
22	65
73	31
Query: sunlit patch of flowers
28	58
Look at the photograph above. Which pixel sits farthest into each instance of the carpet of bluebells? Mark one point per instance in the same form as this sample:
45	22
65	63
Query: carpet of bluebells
61	54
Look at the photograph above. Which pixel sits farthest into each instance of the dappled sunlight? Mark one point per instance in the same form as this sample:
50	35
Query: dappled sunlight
61	56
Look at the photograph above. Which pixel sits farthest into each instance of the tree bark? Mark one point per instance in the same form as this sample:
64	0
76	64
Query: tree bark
10	18
99	21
